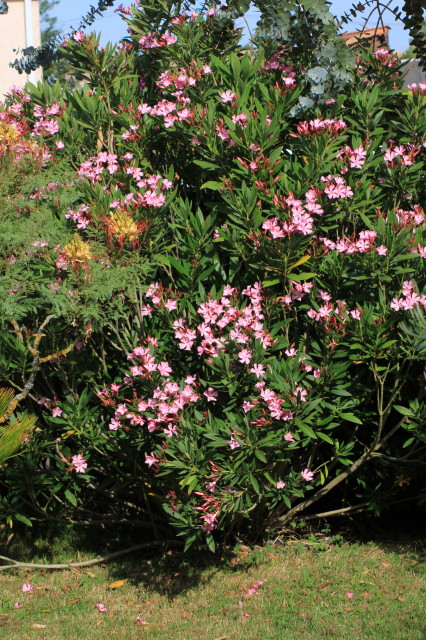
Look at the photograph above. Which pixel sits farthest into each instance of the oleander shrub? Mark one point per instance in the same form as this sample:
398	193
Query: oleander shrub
226	248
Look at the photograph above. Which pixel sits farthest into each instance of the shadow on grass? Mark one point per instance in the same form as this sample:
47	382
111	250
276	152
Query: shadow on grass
170	572
166	569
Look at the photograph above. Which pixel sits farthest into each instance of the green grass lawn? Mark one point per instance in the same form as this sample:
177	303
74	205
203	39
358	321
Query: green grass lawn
312	590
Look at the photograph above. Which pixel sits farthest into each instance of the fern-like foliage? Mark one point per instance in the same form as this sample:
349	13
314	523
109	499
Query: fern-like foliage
13	434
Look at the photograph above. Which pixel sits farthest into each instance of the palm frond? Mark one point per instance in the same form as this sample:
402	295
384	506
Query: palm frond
16	432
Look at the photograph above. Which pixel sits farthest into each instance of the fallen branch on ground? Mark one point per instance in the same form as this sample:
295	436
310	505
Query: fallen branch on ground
87	563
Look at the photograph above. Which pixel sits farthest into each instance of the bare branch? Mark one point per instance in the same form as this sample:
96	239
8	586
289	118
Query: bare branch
87	563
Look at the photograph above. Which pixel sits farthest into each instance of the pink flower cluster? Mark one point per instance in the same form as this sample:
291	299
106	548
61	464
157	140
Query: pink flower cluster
418	88
409	298
318	127
223	134
405	153
300	218
165	109
46	124
420	250
414	217
152	41
336	187
39	194
19	97
241	119
355	157
162	410
209	519
363	243
179	79
333	317
385	58
180	20
273	64
298	290
96	165
81	216
242	325
79	464
272	401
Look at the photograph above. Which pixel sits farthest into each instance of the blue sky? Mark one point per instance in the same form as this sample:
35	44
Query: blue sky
113	28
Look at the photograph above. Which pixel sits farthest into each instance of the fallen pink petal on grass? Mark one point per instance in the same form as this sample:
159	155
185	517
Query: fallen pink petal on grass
140	621
349	595
17	605
101	607
27	587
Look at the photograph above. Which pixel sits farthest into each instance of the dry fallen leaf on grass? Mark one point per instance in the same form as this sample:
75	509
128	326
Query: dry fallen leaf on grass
117	584
38	626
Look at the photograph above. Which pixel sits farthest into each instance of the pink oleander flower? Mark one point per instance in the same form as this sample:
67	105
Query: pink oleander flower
350	595
247	406
210	522
79	463
164	369
170	304
233	443
288	437
420	250
211	395
150	459
244	356
227	96
101	607
79	36
27	587
280	484
56	412
291	353
307	475
258	370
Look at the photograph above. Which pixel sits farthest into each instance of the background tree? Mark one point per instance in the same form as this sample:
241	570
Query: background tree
48	22
59	69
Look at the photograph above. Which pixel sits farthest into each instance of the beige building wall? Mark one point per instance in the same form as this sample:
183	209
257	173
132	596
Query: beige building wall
13	36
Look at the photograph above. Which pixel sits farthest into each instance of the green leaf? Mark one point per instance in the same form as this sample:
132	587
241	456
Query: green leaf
210	543
325	437
260	455
211	184
23	519
305	275
205	165
255	484
306	429
350	417
71	497
270	283
189	541
403	410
